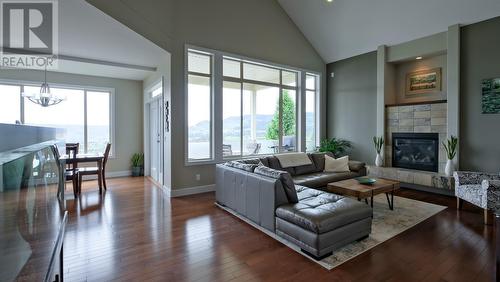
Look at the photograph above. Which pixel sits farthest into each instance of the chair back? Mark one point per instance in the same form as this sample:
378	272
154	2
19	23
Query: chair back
106	155
227	150
72	148
254	148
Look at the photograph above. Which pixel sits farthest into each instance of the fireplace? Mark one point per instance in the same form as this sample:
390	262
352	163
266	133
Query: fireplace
418	151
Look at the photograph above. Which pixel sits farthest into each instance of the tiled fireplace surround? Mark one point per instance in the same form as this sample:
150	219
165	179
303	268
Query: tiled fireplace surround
423	118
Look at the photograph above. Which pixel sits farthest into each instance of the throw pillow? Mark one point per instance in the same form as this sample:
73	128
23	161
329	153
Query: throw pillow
336	165
284	177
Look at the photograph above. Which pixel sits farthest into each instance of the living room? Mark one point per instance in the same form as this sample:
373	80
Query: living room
281	140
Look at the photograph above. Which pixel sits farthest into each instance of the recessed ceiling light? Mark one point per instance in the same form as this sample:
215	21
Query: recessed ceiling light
329	1
418	58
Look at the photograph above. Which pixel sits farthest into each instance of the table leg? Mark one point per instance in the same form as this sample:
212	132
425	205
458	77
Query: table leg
99	175
497	245
390	201
371	201
366	201
62	180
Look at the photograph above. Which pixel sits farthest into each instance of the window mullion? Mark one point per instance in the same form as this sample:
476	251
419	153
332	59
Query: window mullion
85	129
241	110
280	116
21	89
302	112
217	108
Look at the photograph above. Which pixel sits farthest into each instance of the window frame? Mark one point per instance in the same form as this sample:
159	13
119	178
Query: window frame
217	94
317	93
211	76
85	89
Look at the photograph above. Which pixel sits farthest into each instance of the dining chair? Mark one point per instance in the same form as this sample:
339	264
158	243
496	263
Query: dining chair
100	172
71	173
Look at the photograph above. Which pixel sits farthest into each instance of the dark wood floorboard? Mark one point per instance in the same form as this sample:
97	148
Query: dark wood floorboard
133	233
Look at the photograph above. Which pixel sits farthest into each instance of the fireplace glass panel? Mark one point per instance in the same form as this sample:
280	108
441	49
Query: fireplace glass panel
416	151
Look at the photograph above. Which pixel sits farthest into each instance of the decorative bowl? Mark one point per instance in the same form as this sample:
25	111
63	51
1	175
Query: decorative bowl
366	180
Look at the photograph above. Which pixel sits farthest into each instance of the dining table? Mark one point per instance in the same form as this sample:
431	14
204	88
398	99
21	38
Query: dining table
79	158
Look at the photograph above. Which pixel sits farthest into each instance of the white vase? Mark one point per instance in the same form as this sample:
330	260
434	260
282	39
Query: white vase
449	168
378	160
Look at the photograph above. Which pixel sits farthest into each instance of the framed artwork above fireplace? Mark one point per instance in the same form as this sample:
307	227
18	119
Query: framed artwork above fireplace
423	82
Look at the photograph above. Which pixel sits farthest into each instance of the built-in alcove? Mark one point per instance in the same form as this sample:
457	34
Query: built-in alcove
403	69
436	112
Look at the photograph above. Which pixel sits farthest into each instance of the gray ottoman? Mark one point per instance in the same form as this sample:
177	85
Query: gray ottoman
322	222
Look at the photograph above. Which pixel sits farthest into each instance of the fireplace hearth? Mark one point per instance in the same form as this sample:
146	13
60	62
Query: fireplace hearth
419	151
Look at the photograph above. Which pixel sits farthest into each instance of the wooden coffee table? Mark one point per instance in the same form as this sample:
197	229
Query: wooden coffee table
352	187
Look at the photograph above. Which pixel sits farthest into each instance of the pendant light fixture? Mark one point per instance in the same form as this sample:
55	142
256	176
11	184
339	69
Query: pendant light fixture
44	98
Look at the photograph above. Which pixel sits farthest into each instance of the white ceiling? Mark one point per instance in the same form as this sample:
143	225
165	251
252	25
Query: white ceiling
86	32
345	28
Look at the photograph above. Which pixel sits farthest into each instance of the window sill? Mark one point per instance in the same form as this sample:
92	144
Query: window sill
200	162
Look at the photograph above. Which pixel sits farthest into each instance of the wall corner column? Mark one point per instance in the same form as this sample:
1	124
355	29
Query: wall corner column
381	89
453	93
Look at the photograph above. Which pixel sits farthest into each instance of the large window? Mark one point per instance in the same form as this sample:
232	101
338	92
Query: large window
238	107
311	112
259	109
84	115
199	111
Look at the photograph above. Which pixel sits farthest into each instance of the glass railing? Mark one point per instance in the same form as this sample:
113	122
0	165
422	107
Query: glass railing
30	213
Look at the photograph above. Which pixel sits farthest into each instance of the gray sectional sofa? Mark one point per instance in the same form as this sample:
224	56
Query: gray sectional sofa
285	201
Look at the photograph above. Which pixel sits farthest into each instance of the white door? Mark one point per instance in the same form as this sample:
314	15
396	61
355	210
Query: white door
155	140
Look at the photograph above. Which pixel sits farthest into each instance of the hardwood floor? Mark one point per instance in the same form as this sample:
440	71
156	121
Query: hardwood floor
134	233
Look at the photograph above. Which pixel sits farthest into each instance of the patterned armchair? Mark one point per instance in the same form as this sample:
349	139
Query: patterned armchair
480	189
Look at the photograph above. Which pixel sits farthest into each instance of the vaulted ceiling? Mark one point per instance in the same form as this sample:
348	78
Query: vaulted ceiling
345	28
88	37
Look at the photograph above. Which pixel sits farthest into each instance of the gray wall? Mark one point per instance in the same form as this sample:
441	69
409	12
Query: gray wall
351	107
128	109
479	134
258	29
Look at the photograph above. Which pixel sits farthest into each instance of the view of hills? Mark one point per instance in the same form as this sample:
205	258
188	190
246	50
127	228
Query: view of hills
198	132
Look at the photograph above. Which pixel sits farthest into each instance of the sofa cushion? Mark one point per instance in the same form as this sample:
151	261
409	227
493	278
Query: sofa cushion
250	161
321	179
285	179
242	166
305	169
264	161
319	160
321	212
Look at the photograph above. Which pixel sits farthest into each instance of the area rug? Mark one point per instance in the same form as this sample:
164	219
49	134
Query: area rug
386	224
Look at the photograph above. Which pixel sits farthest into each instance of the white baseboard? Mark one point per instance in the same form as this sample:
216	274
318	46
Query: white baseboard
111	174
189	191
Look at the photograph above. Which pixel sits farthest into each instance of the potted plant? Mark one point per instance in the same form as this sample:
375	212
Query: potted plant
137	164
338	147
451	151
378	142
